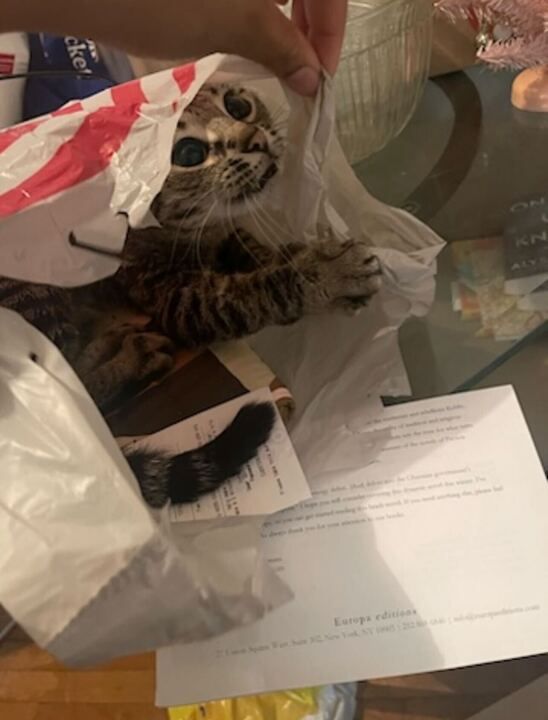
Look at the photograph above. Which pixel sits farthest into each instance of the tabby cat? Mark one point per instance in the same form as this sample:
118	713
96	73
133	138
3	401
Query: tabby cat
198	279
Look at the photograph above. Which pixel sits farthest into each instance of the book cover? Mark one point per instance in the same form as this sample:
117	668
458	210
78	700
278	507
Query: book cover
526	245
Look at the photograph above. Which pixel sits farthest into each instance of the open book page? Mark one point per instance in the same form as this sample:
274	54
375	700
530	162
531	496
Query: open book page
431	557
272	481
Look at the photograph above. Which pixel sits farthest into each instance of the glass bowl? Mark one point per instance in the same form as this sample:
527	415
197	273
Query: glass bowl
383	71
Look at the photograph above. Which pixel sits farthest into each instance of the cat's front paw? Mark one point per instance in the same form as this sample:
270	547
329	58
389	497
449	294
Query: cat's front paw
341	276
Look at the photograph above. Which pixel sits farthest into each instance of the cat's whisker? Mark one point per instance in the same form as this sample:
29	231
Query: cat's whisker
283	251
190	209
278	111
198	236
268	215
245	246
279	126
265	229
266	220
278	248
279	123
227	223
178	233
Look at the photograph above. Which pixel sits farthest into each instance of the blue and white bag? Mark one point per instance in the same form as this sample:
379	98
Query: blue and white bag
51	53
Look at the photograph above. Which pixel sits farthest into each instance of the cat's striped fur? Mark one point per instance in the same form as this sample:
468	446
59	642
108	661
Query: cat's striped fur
190	283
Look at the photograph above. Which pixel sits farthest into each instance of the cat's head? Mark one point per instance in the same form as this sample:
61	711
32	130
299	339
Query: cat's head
226	150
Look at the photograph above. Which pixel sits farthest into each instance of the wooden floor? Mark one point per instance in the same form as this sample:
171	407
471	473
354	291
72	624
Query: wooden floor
33	686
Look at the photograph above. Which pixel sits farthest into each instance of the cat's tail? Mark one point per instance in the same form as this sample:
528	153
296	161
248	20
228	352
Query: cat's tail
184	478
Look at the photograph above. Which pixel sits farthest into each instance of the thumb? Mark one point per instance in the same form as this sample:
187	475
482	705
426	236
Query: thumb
260	32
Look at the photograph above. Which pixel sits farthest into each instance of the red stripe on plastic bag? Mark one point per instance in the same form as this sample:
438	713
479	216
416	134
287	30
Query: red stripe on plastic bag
83	156
119	93
184	76
91	148
68	109
8	137
128	93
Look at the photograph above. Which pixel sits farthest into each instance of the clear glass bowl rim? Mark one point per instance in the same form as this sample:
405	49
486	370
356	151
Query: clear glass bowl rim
385	7
373	15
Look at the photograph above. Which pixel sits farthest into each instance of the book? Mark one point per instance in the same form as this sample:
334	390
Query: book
200	380
526	245
431	557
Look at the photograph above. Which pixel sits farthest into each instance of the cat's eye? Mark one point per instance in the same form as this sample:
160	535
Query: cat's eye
237	106
189	152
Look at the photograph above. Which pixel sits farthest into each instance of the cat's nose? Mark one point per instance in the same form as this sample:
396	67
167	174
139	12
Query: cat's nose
254	141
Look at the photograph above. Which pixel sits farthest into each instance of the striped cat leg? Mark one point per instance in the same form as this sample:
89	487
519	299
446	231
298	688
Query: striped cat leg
208	307
242	252
212	307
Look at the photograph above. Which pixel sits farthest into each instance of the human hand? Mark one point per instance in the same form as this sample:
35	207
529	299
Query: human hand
323	22
173	29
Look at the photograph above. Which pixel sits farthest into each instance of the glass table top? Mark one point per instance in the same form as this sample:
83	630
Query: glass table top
466	159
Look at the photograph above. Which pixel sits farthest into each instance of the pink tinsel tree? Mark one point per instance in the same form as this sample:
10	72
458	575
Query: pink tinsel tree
510	33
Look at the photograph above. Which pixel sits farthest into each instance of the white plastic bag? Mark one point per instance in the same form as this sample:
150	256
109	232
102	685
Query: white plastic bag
338	367
84	568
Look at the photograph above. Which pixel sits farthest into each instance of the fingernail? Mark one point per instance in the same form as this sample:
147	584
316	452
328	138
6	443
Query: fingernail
304	81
